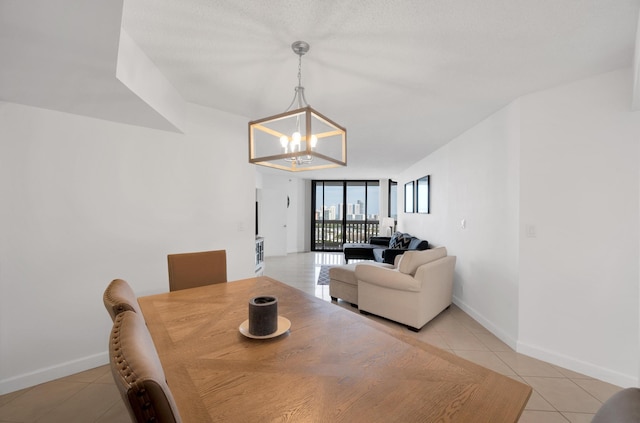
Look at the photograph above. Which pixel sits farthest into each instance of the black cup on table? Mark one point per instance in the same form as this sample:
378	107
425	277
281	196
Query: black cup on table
263	315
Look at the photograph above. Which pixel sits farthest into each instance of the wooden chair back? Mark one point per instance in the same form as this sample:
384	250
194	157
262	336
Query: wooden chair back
190	270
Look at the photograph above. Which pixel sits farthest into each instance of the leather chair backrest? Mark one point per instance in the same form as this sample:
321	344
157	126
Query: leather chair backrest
138	373
190	270
622	407
119	297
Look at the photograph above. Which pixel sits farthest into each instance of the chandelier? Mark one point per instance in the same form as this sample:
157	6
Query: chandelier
300	138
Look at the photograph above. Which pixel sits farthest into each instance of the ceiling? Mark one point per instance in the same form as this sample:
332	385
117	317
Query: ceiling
403	76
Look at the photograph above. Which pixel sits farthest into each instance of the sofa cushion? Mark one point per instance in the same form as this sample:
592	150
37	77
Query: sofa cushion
411	260
400	240
378	254
344	273
382	241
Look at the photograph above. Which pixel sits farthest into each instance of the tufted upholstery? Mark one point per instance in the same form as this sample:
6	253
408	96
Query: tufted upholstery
189	270
119	297
138	372
622	407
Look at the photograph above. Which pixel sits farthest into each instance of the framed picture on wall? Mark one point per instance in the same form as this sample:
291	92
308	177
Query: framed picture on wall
409	197
422	194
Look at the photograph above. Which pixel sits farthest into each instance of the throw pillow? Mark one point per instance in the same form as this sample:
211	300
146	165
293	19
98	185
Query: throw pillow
393	242
406	240
400	240
411	260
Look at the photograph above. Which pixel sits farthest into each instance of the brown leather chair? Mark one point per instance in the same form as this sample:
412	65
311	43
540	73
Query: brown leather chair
622	407
189	270
138	372
119	297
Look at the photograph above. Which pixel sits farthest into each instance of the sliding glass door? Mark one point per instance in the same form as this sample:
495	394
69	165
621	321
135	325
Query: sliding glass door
328	215
343	212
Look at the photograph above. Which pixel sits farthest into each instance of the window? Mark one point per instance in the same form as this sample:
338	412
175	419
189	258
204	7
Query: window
422	194
393	200
343	212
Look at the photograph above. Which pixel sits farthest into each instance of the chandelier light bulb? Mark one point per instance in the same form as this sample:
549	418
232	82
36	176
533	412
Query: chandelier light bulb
314	141
296	137
284	141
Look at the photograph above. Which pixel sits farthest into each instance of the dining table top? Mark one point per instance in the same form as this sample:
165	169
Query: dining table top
332	365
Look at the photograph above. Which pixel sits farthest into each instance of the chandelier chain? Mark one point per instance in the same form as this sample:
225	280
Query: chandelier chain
298	97
299	70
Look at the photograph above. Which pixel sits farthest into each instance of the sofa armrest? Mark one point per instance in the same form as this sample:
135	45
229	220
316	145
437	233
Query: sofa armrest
380	240
385	277
420	246
438	272
390	254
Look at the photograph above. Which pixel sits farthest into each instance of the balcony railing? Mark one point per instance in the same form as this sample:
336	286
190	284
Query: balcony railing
328	234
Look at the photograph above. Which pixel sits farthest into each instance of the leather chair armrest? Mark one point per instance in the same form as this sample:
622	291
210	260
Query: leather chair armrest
622	407
385	277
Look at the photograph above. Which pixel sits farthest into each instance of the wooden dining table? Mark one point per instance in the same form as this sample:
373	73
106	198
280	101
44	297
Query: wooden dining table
332	365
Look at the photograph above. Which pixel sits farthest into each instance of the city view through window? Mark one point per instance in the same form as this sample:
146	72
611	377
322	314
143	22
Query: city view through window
335	209
344	212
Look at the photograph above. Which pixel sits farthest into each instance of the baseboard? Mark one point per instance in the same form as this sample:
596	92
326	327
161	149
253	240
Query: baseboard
48	374
579	366
569	363
498	332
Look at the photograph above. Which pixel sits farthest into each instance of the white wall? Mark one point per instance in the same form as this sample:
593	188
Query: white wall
563	163
475	178
579	276
85	201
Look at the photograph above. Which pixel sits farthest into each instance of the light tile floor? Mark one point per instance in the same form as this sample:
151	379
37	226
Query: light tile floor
559	395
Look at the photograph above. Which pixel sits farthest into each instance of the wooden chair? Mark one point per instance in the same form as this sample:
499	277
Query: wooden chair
138	373
189	270
119	297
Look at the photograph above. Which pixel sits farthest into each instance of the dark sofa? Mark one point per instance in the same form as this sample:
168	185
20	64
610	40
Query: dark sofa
384	249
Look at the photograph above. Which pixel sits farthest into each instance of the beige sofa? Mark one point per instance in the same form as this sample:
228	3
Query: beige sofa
343	283
412	293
